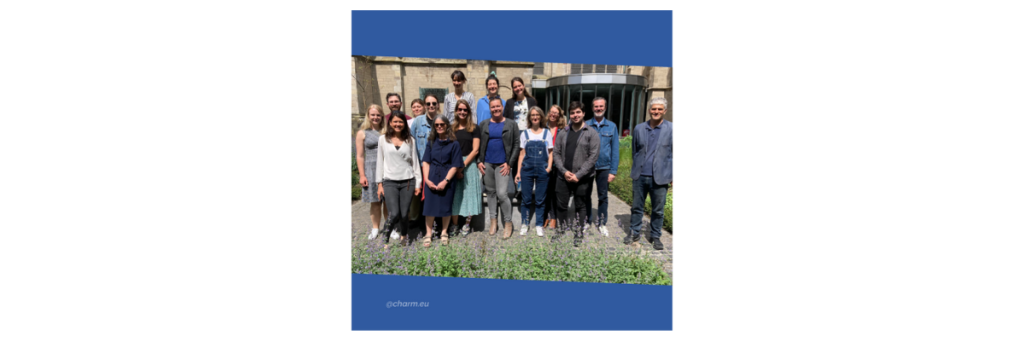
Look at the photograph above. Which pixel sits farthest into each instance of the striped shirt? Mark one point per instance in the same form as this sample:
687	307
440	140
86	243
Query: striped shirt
449	105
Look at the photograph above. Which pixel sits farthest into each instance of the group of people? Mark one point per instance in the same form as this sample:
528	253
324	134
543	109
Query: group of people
435	166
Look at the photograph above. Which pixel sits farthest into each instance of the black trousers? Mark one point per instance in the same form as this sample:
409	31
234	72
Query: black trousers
580	191
398	195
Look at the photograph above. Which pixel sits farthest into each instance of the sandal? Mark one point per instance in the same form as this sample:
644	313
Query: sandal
444	239
426	242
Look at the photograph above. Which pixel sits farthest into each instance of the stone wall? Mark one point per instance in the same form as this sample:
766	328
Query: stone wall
375	77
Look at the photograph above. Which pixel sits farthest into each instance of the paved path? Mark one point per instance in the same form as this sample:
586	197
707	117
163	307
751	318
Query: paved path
618	225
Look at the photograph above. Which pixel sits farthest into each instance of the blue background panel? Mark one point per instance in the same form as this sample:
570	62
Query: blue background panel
494	304
642	38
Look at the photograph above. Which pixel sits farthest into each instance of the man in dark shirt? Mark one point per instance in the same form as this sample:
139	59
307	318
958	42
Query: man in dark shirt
576	150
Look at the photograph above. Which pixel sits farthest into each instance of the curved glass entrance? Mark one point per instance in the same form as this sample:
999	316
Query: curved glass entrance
626	95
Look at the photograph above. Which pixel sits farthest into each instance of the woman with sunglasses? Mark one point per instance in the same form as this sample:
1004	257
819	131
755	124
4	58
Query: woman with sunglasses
469	190
555	122
398	179
441	160
458	80
534	167
366	161
421	126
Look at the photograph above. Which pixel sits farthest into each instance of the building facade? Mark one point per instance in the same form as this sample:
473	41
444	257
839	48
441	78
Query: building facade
627	88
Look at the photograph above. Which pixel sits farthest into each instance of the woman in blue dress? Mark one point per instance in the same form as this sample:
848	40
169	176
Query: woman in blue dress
441	159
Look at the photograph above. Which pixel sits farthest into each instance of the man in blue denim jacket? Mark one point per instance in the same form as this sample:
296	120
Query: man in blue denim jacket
652	172
607	163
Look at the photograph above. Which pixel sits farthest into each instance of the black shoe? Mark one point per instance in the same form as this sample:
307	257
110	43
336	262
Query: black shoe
631	238
387	235
657	244
577	241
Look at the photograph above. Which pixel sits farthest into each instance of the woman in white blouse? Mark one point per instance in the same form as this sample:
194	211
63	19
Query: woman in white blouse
398	175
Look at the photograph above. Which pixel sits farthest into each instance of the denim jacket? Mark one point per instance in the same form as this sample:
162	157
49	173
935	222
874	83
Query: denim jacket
608	154
419	127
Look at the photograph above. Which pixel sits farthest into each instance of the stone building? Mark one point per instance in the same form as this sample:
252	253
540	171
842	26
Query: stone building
627	88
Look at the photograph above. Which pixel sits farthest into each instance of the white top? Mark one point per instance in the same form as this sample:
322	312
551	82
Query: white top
520	112
528	135
398	164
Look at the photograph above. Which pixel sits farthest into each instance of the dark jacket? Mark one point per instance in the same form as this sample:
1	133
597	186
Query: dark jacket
510	104
509	137
662	152
585	157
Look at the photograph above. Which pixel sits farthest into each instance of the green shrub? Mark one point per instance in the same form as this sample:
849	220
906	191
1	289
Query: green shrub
622	187
357	190
522	259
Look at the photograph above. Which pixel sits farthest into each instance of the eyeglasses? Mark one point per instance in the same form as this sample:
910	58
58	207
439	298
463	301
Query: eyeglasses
431	104
440	125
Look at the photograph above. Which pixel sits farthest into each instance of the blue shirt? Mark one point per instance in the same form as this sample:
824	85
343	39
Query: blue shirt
483	109
652	141
420	127
495	146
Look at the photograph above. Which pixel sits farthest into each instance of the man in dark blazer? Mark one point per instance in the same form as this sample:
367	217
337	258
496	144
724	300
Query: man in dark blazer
651	172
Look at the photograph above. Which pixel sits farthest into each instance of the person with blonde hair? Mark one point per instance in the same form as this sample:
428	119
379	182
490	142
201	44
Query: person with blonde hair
555	122
469	191
534	168
366	145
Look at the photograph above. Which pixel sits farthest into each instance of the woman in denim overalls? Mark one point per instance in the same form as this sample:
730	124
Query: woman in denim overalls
534	167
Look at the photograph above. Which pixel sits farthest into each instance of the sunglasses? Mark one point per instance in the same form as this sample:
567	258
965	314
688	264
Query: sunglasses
462	110
431	104
439	125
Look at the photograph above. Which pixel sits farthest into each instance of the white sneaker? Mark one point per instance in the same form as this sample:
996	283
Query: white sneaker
522	231
395	235
540	231
604	230
373	234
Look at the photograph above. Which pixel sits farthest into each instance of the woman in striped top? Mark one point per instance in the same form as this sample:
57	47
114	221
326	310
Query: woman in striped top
458	80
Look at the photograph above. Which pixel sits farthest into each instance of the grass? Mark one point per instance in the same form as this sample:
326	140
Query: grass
622	187
521	259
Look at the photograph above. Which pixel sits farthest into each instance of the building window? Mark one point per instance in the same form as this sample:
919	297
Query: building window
538	68
439	92
576	69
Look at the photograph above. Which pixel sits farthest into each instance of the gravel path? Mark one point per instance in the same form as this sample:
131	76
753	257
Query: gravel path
618	226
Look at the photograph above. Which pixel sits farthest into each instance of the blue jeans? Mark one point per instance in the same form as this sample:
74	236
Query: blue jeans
641	188
602	199
535	187
534	180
